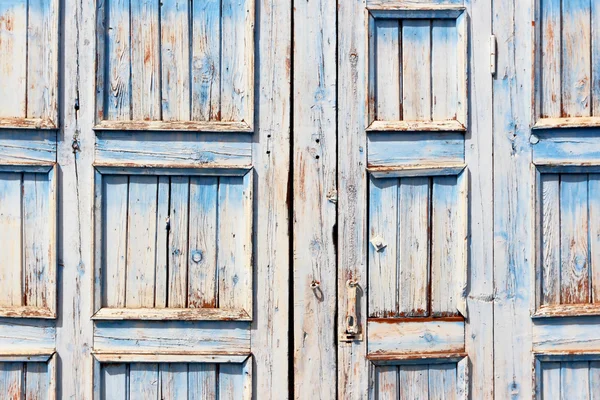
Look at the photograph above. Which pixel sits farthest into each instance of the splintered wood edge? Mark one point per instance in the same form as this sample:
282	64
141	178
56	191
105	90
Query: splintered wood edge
188	357
416	126
171	314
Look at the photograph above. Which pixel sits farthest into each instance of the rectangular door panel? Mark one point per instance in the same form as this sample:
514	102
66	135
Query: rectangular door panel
32	377
175	65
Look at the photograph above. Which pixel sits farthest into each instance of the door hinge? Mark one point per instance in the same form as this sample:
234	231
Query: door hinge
493	48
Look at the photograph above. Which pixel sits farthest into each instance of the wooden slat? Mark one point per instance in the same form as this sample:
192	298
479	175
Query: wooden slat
398	149
184	357
594	380
550	380
574	272
178	241
30	147
174	337
173	381
442	381
580	334
595	39
383	261
386	382
234	252
235	381
114	382
115	190
37	381
141	236
237	48
13	66
117	101
143	381
27	336
11	249
171	314
145	60
594	227
551	263
175	60
432	336
444	69
11	380
162	242
413	382
37	239
576	65
550	60
447	241
202	381
42	59
206	60
575	380
413	246
192	150
417	126
388	90
202	247
416	69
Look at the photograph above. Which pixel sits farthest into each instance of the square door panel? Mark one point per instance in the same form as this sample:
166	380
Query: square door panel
417	249
173	244
175	65
28	376
29	63
417	69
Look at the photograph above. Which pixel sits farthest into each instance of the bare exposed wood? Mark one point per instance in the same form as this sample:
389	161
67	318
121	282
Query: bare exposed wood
171	314
417	126
188	357
178	126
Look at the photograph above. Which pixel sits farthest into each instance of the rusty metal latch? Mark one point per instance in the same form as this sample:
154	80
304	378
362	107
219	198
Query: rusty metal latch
351	334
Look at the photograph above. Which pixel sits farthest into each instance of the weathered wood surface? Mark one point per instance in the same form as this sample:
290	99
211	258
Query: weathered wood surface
314	199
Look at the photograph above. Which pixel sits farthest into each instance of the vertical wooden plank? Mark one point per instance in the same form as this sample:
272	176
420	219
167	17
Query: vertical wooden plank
114	382
145	60
141	241
550	380
202	381
162	242
74	335
10	239
36	240
233	382
234	252
178	241
42	59
575	380
236	53
574	269
13	65
206	60
383	260
352	230
513	252
594	226
202	248
414	383
143	381
115	200
173	381
416	69
413	246
595	41
175	60
594	380
444	69
36	381
447	238
576	65
314	197
386	382
551	264
271	156
550	59
388	81
118	51
442	381
11	380
479	334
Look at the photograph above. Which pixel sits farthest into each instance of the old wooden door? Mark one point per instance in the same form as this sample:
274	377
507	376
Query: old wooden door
144	159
